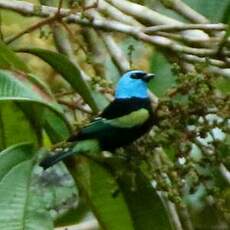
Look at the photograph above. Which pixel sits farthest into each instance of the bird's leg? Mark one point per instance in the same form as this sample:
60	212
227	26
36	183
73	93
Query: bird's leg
60	146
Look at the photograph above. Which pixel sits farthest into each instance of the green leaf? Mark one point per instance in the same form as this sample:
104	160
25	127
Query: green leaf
223	85
8	59
39	83
36	102
99	187
164	77
73	215
20	206
17	87
69	72
209	8
55	127
13	121
144	203
8	159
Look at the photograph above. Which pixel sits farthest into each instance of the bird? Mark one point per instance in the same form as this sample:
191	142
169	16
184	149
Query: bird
128	117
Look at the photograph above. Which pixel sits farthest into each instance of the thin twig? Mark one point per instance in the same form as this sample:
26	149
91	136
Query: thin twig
60	6
225	173
206	27
194	59
73	106
223	41
35	26
56	17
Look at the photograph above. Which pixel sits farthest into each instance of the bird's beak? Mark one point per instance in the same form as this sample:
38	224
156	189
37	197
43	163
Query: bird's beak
148	77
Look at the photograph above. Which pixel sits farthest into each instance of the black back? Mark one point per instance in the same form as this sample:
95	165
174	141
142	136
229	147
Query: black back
121	107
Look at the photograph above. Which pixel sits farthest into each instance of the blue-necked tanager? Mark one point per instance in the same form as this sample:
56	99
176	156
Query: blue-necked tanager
124	120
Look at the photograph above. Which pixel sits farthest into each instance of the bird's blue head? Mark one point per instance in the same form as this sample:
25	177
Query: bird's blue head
133	84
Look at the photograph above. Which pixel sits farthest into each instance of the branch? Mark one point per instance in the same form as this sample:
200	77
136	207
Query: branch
115	52
185	10
225	173
220	71
113	49
103	24
151	17
112	25
194	59
29	9
74	106
109	10
143	13
173	214
32	28
206	27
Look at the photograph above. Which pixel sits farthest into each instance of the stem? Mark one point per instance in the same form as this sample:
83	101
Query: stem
73	106
115	52
32	28
185	10
206	27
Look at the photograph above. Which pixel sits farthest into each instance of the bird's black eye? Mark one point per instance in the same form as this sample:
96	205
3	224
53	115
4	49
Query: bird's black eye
139	75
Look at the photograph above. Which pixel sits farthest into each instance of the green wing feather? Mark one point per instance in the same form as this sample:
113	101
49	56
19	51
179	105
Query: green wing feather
135	118
130	120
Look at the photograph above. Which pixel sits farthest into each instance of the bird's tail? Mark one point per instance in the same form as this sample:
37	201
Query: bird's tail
84	146
58	156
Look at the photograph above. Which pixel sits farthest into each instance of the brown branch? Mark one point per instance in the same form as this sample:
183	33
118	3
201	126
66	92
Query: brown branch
31	28
74	106
60	6
56	17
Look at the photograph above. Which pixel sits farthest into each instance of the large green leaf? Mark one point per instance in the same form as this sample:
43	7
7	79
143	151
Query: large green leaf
55	127
20	206
34	101
13	121
145	205
8	59
17	87
99	188
74	215
69	71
